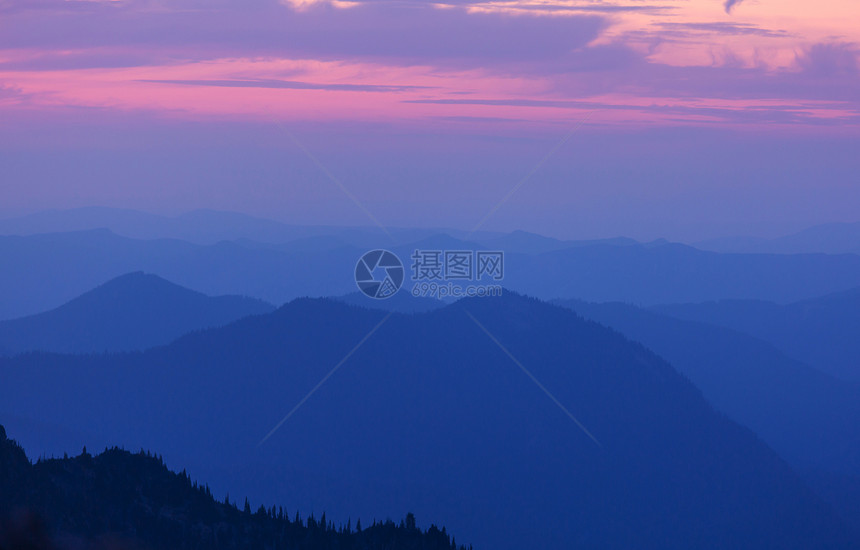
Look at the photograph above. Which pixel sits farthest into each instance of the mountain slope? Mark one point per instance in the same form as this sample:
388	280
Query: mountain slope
811	418
823	332
123	500
430	414
131	312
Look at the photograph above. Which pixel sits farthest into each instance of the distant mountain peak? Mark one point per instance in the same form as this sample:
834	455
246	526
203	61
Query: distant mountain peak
133	311
137	280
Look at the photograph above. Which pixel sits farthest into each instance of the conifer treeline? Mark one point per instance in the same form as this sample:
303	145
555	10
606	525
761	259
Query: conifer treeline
119	499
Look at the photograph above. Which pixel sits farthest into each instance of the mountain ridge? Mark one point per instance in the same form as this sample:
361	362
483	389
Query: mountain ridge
430	410
647	274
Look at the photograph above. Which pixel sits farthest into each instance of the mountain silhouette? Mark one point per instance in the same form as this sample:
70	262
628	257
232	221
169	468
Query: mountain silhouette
823	332
432	415
829	238
122	500
205	227
646	274
131	312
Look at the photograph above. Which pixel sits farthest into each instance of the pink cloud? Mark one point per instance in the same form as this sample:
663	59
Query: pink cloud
525	60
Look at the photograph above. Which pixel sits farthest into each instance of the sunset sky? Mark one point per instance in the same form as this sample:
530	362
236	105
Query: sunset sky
679	118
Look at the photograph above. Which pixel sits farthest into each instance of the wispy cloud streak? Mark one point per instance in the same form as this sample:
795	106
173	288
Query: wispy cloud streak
291	85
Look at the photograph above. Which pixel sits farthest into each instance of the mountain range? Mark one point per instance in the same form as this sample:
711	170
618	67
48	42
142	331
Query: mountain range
644	274
205	227
212	226
514	422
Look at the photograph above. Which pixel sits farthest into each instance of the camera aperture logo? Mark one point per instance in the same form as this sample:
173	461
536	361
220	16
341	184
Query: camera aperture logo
379	274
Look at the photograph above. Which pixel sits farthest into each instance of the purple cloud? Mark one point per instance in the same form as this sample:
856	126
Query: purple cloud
830	60
554	52
292	85
11	94
780	114
400	33
725	28
731	4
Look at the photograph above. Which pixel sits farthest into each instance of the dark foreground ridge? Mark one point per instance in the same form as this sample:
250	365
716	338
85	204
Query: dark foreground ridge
121	500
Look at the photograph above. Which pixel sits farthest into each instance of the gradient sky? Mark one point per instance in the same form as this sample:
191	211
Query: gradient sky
704	117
